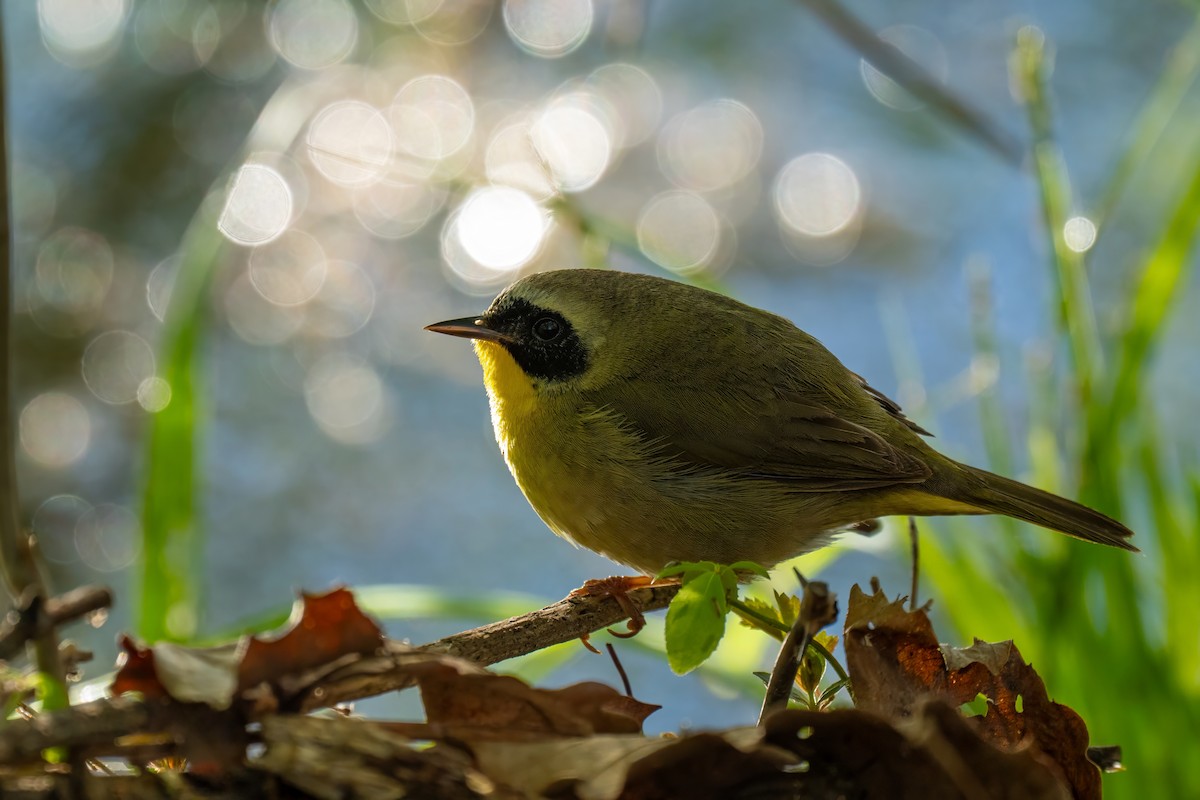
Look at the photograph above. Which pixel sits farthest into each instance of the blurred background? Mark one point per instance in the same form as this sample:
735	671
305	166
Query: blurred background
232	220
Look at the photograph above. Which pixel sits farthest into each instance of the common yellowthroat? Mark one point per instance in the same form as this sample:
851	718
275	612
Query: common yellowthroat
651	422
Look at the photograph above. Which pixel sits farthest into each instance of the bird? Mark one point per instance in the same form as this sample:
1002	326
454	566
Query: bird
657	422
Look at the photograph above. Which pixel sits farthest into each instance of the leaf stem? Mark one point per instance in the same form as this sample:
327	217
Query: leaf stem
747	612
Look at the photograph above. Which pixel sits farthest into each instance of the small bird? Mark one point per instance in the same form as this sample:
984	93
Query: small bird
656	422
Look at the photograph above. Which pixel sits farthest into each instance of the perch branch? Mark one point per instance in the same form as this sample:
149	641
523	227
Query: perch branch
560	622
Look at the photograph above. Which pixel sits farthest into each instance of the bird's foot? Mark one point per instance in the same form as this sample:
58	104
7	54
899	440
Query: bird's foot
618	588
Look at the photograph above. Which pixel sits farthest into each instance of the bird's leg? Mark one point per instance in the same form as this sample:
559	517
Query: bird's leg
618	588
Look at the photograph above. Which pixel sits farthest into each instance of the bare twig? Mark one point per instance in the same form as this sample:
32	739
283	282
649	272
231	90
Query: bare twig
94	723
21	624
17	552
915	546
612	653
914	78
818	608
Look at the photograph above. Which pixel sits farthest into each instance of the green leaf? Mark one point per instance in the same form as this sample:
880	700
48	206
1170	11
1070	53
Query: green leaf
696	622
765	609
789	607
812	668
831	692
750	566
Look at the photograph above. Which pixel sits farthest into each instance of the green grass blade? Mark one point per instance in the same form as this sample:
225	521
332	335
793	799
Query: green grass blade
1178	77
1158	284
1076	315
172	544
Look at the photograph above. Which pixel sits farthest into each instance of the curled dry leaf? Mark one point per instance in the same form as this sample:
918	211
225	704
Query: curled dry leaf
322	628
476	704
896	664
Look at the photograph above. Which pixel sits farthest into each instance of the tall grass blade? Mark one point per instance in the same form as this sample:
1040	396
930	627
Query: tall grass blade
172	544
1178	77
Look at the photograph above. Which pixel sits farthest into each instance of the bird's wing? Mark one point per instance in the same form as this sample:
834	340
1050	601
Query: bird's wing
788	436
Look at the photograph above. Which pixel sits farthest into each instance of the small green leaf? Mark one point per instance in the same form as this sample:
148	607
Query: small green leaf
812	670
789	607
695	622
831	692
750	566
688	570
765	609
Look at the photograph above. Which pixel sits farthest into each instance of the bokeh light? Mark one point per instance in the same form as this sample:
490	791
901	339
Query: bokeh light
165	35
711	146
258	207
55	430
679	231
159	285
347	399
1079	234
451	22
499	228
154	394
350	143
115	364
344	303
433	117
573	139
922	47
817	195
395	208
512	160
635	97
108	537
54	525
548	28
289	270
313	34
255	319
81	32
71	279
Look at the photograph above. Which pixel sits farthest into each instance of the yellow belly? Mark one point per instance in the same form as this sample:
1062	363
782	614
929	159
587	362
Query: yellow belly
599	484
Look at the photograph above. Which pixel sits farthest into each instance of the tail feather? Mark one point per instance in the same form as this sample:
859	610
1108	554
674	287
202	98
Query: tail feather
995	494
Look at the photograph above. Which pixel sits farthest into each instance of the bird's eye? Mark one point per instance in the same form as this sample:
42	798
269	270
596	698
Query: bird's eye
547	329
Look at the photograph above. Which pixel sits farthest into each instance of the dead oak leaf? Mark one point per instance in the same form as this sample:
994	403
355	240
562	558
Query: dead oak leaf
321	629
896	663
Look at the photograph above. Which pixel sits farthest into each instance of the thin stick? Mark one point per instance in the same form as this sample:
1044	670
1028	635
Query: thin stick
818	608
915	546
612	653
21	626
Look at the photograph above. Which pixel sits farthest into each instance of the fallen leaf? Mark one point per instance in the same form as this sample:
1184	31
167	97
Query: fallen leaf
322	628
478	704
896	664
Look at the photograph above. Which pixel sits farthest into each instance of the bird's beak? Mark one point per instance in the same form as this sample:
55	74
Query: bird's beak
469	328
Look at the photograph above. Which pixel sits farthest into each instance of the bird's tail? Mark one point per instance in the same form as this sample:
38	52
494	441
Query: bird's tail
995	494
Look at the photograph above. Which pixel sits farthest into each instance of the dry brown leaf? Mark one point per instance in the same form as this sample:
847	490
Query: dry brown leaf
896	663
479	704
322	628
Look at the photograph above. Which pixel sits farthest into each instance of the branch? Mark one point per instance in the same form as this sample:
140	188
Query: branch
21	624
568	619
